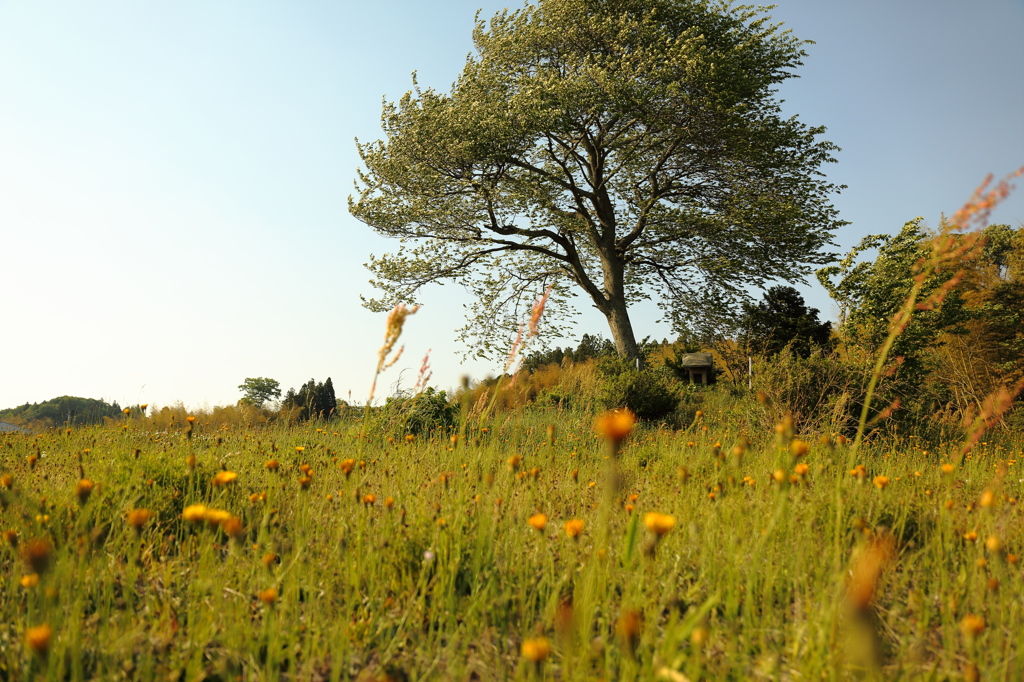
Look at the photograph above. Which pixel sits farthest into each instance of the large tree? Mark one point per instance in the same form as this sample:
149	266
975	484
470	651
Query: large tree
782	320
616	149
259	390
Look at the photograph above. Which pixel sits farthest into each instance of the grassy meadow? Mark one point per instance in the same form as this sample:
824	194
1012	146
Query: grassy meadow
529	547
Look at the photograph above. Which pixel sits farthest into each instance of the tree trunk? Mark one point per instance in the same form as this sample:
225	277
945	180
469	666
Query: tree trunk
613	302
622	330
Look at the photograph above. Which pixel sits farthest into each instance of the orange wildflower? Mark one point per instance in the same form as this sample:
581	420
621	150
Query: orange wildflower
971	626
535	650
38	639
573	528
194	513
137	518
83	490
223	478
659	524
615	425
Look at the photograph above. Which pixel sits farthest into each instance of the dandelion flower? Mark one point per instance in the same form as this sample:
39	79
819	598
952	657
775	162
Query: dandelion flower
369	500
971	626
987	500
801	469
215	517
29	580
137	518
37	554
194	513
535	650
223	478
659	524
346	466
880	482
7	481
233	527
947	469
538	521
268	596
272	465
83	490
573	528
38	639
615	425
628	628
799	448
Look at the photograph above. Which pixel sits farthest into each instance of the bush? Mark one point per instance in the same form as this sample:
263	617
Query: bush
823	392
424	412
649	393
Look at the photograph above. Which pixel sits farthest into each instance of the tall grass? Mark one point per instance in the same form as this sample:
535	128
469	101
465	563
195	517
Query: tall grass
445	579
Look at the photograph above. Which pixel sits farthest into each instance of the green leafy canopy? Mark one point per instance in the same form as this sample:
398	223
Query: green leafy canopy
618	150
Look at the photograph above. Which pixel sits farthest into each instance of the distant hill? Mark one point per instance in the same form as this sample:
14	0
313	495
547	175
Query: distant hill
63	410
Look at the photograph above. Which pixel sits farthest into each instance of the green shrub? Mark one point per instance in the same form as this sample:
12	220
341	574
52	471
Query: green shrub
823	392
424	412
649	393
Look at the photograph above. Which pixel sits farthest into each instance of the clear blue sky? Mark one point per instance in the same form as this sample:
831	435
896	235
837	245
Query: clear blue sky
174	175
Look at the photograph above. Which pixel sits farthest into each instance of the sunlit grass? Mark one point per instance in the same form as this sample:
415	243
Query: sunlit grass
510	553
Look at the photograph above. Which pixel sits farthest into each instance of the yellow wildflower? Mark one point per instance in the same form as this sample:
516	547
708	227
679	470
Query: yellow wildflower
659	524
224	477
